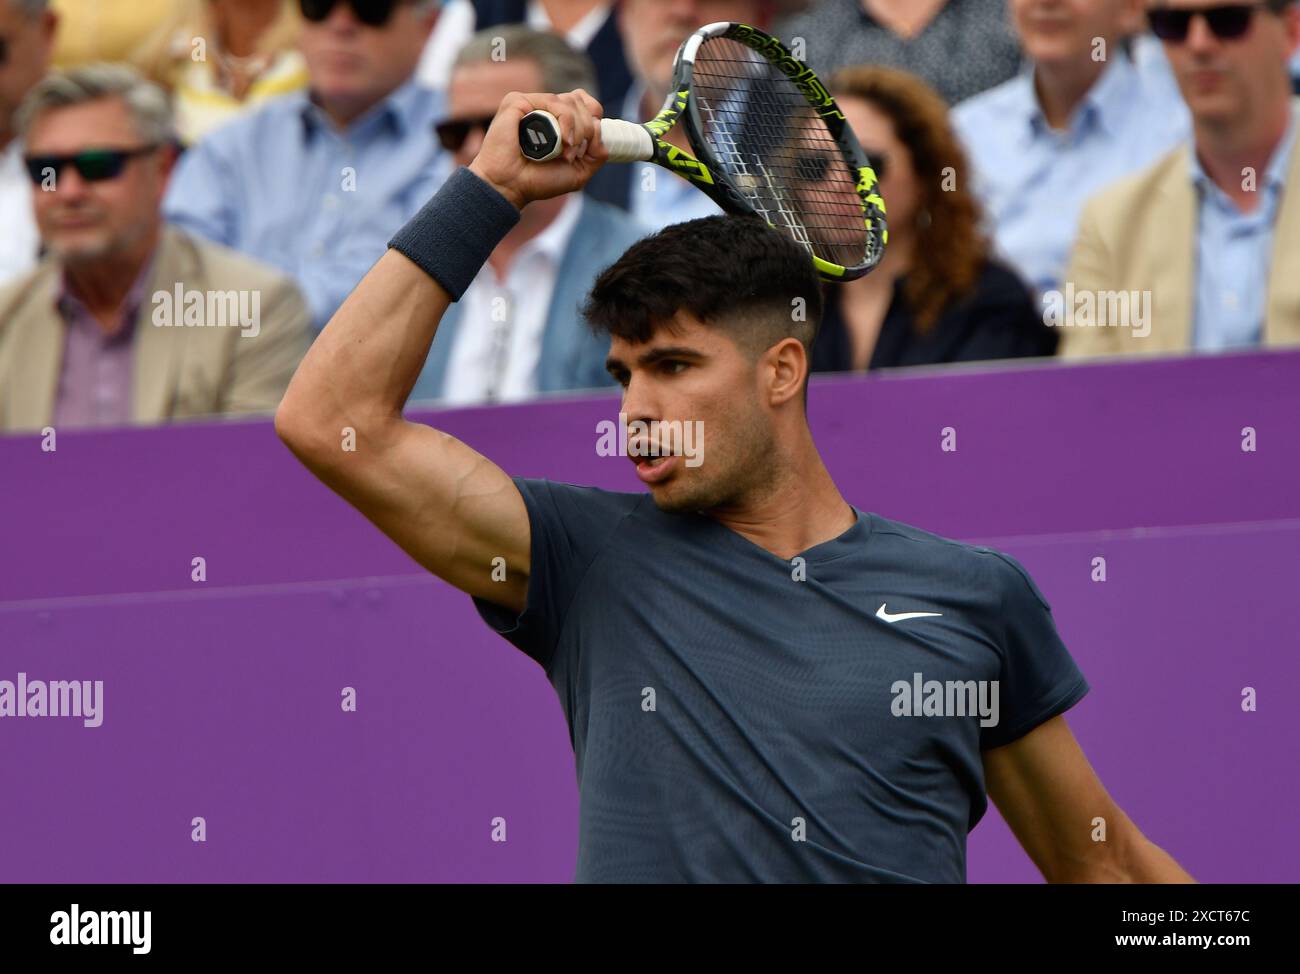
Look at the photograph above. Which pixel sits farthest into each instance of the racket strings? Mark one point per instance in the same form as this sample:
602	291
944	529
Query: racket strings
777	152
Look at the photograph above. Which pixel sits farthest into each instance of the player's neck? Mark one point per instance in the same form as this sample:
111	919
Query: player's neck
800	509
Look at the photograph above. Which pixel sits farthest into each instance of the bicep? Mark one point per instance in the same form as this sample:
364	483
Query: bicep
455	512
1051	798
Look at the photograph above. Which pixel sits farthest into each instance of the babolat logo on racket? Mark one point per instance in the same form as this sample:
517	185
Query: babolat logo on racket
537	139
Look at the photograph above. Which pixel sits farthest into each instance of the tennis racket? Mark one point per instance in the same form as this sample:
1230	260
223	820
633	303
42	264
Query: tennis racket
768	139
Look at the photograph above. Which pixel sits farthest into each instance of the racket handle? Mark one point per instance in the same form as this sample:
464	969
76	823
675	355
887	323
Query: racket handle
539	139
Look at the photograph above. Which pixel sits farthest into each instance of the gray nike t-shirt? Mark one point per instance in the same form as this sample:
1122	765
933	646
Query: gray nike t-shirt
737	717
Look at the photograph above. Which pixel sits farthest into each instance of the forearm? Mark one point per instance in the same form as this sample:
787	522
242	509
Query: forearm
1129	857
1146	862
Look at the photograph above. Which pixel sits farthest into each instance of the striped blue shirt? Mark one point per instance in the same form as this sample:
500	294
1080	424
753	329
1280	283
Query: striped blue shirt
287	187
1033	180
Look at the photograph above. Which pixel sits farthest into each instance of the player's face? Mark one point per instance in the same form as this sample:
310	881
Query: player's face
699	376
1223	78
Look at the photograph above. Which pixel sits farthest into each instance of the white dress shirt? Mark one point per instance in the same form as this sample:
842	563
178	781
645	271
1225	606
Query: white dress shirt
499	339
20	240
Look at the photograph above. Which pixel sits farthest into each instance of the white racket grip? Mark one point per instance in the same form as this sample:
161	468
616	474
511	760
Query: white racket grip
626	141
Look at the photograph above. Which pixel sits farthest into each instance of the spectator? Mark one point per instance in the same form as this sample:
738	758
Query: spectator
221	57
1202	246
588	25
93	336
517	331
1082	117
316	182
652	30
937	295
27	29
960	47
95	31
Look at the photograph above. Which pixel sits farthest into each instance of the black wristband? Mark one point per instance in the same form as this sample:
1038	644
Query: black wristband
452	236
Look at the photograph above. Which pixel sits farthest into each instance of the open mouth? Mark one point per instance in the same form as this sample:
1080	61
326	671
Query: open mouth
651	470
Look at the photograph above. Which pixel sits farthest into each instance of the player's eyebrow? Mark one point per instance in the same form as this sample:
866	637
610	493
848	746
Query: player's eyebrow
654	355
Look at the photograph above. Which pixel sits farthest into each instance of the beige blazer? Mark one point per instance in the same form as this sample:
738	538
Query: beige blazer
179	371
1140	235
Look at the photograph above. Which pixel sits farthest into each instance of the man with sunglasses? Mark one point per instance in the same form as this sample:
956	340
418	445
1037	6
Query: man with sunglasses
27	30
316	182
1079	117
518	331
1211	231
96	335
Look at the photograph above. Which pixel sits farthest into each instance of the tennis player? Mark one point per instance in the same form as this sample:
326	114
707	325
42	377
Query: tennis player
762	682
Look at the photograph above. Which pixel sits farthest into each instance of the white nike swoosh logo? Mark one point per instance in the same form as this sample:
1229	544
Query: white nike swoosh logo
900	616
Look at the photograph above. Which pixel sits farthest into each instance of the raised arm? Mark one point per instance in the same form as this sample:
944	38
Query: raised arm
448	507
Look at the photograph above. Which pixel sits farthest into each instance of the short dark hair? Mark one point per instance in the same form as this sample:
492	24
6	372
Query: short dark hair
733	272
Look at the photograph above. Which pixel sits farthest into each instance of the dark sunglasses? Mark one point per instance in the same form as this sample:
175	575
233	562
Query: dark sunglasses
454	131
372	13
92	165
1226	22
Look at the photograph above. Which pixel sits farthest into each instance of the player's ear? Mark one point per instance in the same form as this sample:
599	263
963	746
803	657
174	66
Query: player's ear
785	366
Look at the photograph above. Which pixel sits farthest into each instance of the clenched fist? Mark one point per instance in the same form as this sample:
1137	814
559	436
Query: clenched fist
501	164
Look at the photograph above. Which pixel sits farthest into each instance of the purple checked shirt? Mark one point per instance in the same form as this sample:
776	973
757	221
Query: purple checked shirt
95	379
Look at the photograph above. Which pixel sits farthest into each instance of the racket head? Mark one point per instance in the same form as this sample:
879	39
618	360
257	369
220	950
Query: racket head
770	140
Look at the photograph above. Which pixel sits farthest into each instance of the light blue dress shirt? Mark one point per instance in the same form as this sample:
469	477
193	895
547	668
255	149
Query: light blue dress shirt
283	185
1032	180
1234	252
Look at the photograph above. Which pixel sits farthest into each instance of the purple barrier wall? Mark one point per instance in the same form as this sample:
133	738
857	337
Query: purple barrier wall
222	698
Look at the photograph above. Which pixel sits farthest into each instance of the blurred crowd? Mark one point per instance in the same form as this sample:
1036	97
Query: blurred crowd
1068	178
